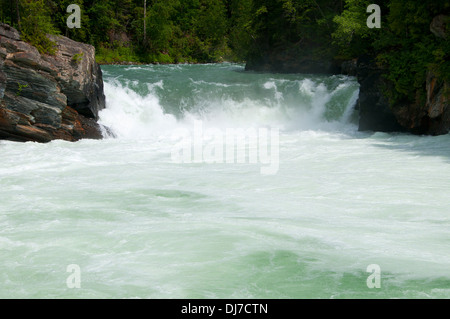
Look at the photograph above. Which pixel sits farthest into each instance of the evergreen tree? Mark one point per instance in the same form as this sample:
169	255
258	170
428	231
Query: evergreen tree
35	24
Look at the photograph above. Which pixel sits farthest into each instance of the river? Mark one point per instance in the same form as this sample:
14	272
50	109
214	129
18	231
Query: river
221	183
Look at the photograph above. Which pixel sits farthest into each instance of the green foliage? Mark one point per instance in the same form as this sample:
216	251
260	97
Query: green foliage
441	63
303	27
191	31
20	88
8	12
176	30
160	26
408	50
240	32
77	58
59	19
211	23
36	24
351	28
404	46
117	55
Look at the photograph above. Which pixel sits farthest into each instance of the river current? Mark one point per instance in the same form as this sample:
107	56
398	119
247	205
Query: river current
221	183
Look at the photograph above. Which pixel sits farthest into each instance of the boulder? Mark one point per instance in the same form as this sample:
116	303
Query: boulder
439	26
9	32
432	116
45	97
79	76
375	113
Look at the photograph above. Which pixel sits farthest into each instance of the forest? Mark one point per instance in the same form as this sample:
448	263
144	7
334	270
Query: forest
205	31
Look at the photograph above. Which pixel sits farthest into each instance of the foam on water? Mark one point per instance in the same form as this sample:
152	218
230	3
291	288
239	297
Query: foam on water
141	226
288	104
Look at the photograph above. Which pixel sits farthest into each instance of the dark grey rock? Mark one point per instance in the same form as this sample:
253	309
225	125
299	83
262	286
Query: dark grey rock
439	26
46	97
375	113
79	76
9	32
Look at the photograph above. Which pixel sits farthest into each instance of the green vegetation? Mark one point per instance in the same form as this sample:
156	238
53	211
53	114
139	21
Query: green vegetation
351	35
191	31
404	46
35	24
304	27
77	58
20	88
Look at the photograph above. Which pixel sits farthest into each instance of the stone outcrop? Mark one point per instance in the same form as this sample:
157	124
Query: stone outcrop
44	97
431	117
437	105
439	26
375	113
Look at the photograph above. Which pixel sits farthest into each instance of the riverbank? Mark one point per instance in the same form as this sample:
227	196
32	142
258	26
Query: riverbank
130	56
100	62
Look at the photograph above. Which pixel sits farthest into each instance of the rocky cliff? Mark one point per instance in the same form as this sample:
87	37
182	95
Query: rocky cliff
376	112
45	97
431	117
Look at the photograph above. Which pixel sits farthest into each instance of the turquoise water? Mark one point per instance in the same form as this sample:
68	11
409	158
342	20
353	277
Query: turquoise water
140	224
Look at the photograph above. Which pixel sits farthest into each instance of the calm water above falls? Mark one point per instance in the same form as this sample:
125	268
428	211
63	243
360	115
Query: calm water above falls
140	224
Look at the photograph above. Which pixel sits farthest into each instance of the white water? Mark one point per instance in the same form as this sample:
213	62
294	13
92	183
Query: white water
140	225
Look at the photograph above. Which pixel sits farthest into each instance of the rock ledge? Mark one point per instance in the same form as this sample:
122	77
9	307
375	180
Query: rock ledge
45	97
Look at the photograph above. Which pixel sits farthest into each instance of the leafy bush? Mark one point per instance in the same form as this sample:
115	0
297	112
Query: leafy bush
36	25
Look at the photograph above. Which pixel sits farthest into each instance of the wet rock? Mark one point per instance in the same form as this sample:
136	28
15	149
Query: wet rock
375	113
45	97
9	32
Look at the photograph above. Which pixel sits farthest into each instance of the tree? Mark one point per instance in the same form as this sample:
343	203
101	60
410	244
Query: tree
241	36
145	19
159	25
211	23
36	24
10	12
351	30
59	19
